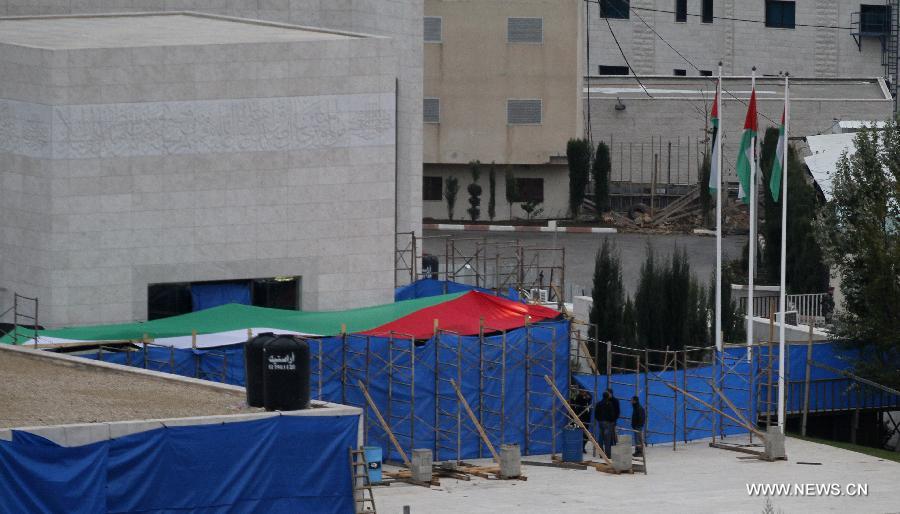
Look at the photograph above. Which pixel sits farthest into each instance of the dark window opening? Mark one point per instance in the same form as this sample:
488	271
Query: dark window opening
432	188
707	16
165	300
529	190
681	11
780	14
705	73
612	70
873	19
616	9
679	73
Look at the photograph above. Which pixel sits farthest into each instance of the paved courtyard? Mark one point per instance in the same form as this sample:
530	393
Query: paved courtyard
695	478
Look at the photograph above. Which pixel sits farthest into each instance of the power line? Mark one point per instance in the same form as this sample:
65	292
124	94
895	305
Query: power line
744	20
626	59
732	95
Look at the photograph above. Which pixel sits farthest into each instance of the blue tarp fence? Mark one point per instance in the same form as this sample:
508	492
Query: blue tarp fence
279	464
501	366
693	421
431	287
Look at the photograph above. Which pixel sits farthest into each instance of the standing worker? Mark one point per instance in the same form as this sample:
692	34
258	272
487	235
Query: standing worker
638	418
605	412
618	411
581	404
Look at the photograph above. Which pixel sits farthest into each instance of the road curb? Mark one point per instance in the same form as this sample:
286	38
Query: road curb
516	228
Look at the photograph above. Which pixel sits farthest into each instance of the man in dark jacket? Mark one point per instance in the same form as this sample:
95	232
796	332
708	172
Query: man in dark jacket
618	408
638	418
605	412
581	404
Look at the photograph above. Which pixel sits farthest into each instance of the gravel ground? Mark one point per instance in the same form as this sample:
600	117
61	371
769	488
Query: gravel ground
36	392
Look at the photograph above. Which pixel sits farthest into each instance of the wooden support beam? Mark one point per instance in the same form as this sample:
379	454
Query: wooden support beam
708	406
384	425
574	417
475	422
731	405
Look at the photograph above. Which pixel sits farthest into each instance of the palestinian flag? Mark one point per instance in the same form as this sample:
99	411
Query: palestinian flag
775	180
745	160
714	164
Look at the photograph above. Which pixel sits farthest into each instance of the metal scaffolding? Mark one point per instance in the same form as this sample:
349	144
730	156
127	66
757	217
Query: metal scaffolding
480	364
483	262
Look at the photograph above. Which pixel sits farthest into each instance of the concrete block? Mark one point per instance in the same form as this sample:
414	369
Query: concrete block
57	434
124	428
86	433
621	456
775	444
420	465
197	420
248	417
510	461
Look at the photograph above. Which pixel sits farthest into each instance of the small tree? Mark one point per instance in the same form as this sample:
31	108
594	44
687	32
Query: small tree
531	209
600	172
578	153
450	195
608	296
861	233
806	269
512	189
492	192
474	192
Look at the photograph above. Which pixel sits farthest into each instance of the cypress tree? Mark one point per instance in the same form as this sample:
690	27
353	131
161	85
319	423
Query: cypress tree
578	154
600	172
608	295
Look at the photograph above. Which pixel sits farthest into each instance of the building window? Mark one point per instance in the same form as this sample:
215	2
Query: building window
873	19
432	188
523	112
707	16
615	9
524	30
529	190
431	110
679	73
681	11
173	299
612	70
779	14
433	29
705	73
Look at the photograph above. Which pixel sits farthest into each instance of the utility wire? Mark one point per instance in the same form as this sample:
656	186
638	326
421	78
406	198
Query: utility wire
732	95
743	20
626	59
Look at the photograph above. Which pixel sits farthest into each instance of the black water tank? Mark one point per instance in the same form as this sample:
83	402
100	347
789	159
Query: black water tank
286	374
253	368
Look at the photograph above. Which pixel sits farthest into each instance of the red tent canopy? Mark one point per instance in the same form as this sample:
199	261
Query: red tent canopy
462	315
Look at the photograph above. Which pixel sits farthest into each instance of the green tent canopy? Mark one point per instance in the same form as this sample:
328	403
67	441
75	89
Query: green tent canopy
233	317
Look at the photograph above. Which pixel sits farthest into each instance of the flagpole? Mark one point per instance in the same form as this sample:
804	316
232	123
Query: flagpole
751	250
719	181
783	285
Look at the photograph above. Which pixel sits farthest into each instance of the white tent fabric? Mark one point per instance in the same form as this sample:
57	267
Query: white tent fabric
203	340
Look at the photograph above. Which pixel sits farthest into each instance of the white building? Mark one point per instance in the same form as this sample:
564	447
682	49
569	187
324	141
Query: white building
146	156
824	39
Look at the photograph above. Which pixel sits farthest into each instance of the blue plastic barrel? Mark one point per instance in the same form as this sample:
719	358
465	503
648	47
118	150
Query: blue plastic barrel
373	458
573	445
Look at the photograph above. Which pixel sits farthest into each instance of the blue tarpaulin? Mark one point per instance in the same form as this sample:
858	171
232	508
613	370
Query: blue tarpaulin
207	296
430	287
279	464
338	362
693	421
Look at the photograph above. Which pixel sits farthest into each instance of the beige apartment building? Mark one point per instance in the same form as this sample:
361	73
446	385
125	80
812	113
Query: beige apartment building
503	82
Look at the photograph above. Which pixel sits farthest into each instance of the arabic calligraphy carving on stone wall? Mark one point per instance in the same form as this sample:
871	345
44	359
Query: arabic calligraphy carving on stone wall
196	127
